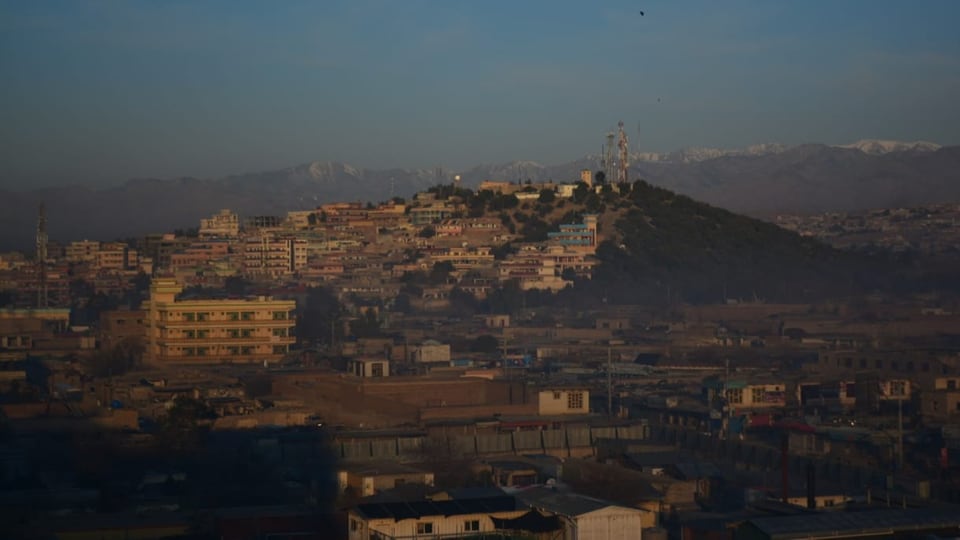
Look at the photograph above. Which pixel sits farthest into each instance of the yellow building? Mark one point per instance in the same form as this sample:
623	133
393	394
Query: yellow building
554	401
215	331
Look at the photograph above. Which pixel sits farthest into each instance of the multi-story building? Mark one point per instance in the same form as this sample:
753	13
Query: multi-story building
269	256
215	331
82	251
226	224
578	236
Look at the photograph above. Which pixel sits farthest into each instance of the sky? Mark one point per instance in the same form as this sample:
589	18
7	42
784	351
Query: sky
97	92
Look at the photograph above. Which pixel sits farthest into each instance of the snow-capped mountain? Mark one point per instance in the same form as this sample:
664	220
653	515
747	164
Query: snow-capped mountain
877	147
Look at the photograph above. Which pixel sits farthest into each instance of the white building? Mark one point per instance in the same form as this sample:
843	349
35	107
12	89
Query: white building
555	401
369	367
431	519
431	351
586	518
226	224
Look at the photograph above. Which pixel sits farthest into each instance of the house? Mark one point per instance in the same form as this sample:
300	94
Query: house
555	401
431	519
367	479
586	517
430	351
369	367
887	523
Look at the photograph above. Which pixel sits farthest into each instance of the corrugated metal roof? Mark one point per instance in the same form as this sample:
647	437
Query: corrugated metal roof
417	509
867	522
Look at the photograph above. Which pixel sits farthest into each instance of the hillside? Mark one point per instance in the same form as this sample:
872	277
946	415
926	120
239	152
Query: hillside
668	247
764	180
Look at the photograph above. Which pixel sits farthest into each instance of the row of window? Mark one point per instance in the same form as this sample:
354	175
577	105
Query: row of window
230	351
202	316
234	333
863	363
426	527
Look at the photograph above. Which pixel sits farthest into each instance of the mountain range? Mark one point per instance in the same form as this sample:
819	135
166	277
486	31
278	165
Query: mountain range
761	180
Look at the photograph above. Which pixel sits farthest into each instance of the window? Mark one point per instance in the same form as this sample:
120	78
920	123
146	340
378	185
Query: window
878	364
756	394
279	349
246	351
354	525
863	363
201	351
203	317
233	316
376	370
190	334
424	528
556	395
233	333
246	316
952	384
894	365
190	317
734	395
471	525
280	332
828	502
574	400
848	362
279	315
246	332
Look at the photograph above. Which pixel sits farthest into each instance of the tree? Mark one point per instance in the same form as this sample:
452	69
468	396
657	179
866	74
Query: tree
547	196
236	285
427	232
180	427
440	272
402	303
366	326
318	317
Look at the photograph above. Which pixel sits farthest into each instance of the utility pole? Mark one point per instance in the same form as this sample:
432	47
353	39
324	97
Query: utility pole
609	380
902	394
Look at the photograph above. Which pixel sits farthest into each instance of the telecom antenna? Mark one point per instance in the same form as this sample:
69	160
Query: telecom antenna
42	298
608	158
624	161
393	186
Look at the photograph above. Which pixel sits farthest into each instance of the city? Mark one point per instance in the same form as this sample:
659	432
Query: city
359	270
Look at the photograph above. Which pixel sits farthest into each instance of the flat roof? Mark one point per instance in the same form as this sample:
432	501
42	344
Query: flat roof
417	509
866	522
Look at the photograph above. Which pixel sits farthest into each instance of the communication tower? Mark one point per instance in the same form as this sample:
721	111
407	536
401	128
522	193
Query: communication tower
624	161
608	163
42	299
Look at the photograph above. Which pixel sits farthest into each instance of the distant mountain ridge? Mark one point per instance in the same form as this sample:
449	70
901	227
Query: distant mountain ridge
760	180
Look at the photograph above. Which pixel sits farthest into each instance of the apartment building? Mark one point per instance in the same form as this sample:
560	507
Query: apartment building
268	256
226	224
215	331
82	251
578	236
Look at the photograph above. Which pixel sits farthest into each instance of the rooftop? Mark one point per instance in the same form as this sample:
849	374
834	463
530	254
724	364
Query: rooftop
861	523
416	509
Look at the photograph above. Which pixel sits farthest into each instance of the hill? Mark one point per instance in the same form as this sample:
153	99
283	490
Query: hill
762	180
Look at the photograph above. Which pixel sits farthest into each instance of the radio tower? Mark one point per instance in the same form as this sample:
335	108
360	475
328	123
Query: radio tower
624	157
608	158
42	299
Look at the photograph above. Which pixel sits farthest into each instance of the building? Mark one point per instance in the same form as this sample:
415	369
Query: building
430	351
268	256
586	517
371	478
226	224
215	331
369	367
431	519
884	523
557	401
578	236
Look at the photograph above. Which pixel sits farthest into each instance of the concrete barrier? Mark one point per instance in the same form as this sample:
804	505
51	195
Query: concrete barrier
603	433
355	449
383	448
553	439
527	441
578	437
500	443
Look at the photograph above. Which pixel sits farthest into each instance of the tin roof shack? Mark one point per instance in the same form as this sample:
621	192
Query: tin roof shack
586	517
910	523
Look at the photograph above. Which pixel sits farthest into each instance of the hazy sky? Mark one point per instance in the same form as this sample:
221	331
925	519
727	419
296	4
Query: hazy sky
100	91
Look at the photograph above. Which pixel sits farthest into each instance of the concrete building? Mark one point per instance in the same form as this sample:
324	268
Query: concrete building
430	351
431	519
215	331
268	256
557	401
226	224
369	367
578	236
586	517
371	478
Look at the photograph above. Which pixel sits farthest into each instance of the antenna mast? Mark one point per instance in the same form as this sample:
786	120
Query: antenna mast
608	158
42	298
624	161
